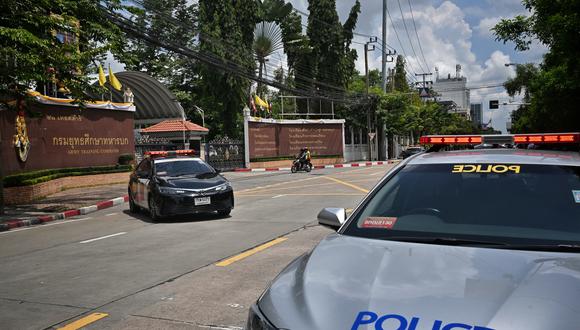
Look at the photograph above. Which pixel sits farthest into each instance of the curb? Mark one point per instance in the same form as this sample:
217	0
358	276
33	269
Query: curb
318	167
38	220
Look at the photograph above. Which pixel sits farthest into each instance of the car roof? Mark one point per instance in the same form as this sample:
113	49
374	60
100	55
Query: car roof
498	156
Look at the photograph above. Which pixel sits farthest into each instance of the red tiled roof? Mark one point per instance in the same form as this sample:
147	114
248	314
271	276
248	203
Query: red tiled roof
174	126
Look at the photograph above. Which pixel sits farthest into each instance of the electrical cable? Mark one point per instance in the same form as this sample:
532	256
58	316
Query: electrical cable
409	36
417	34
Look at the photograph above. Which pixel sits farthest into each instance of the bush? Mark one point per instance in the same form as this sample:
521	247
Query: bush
126	159
34	177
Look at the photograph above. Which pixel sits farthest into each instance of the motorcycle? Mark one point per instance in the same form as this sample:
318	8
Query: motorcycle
298	166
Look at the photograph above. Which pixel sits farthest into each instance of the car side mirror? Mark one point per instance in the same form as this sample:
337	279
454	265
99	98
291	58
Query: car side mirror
332	217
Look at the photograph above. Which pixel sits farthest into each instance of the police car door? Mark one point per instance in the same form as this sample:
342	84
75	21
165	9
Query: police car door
143	177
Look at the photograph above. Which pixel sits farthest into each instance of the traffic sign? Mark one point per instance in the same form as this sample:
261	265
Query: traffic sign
423	92
494	104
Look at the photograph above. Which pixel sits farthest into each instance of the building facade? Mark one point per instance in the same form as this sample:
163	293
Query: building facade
453	89
476	113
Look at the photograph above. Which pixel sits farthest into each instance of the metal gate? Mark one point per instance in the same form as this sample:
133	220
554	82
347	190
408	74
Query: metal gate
225	154
144	143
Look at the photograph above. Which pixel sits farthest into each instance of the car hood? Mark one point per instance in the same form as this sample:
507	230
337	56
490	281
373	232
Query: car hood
192	182
422	284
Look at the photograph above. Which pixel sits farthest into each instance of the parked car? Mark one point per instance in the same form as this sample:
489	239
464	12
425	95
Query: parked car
484	239
410	151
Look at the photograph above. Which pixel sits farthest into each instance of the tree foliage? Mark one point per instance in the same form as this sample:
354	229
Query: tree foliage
227	30
550	90
331	60
46	41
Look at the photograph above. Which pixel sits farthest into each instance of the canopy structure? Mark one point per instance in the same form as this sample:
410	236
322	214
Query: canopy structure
169	128
154	103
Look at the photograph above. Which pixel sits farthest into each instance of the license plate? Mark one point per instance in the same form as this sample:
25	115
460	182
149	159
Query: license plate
202	201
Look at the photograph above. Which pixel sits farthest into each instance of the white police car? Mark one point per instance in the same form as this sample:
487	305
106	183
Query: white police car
474	239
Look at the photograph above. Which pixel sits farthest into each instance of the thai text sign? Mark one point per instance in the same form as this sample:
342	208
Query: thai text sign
280	139
60	137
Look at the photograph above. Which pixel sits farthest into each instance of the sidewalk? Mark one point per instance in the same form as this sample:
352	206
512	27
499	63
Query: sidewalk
71	199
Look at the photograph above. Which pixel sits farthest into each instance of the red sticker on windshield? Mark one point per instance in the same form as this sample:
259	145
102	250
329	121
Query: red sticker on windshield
379	222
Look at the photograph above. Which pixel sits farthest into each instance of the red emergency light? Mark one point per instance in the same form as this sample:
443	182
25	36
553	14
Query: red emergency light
450	139
546	138
169	153
567	138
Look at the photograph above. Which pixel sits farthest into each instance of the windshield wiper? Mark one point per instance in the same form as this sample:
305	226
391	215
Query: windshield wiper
444	241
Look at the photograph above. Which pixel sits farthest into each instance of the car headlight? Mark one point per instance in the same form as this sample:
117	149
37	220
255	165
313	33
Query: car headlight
257	321
170	191
223	187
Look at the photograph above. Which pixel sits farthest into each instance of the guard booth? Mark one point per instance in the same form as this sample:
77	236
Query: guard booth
171	135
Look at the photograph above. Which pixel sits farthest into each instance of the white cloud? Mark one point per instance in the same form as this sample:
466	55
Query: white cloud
485	26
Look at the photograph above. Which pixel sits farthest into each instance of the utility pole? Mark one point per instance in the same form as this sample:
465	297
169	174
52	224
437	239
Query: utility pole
367	49
384	46
424	84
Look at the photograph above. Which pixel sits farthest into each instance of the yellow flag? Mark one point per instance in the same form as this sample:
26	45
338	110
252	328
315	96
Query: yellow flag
102	79
113	80
260	102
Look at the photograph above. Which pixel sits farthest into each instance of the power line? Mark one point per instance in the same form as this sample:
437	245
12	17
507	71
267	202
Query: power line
224	45
409	36
399	39
209	58
417	34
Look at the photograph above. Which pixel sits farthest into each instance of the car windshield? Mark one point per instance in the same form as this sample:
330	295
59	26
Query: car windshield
508	204
181	167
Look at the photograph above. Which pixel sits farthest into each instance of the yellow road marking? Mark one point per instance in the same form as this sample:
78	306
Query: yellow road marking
84	321
248	253
346	184
263	190
277	184
266	194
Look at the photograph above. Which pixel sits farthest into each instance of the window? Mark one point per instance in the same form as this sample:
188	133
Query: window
537	203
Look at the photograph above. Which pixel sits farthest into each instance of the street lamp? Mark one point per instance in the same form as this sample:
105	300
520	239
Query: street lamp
202	113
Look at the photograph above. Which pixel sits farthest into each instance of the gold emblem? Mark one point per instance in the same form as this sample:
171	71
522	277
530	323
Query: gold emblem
21	141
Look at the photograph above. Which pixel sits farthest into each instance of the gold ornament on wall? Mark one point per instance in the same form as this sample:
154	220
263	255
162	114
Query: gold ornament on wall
21	141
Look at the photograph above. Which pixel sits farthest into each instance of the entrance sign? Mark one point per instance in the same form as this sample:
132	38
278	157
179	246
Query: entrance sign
268	138
61	136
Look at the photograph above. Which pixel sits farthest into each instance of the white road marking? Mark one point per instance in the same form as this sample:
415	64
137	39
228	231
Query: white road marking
378	173
111	214
102	237
44	225
278	196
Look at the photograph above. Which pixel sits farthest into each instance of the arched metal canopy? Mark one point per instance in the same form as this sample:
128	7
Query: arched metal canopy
153	101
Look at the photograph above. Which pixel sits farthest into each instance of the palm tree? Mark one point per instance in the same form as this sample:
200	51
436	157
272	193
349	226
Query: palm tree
267	40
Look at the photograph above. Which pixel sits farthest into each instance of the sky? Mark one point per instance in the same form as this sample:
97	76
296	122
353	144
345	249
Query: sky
450	32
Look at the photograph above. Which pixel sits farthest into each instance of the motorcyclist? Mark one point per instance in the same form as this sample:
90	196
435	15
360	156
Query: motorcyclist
304	157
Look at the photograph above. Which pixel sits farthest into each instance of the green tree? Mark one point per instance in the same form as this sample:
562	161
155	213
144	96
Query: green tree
553	88
332	60
173	20
267	40
42	41
227	32
399	80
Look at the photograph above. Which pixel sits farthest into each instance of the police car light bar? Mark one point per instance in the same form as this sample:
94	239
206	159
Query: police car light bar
567	138
546	138
169	153
450	139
